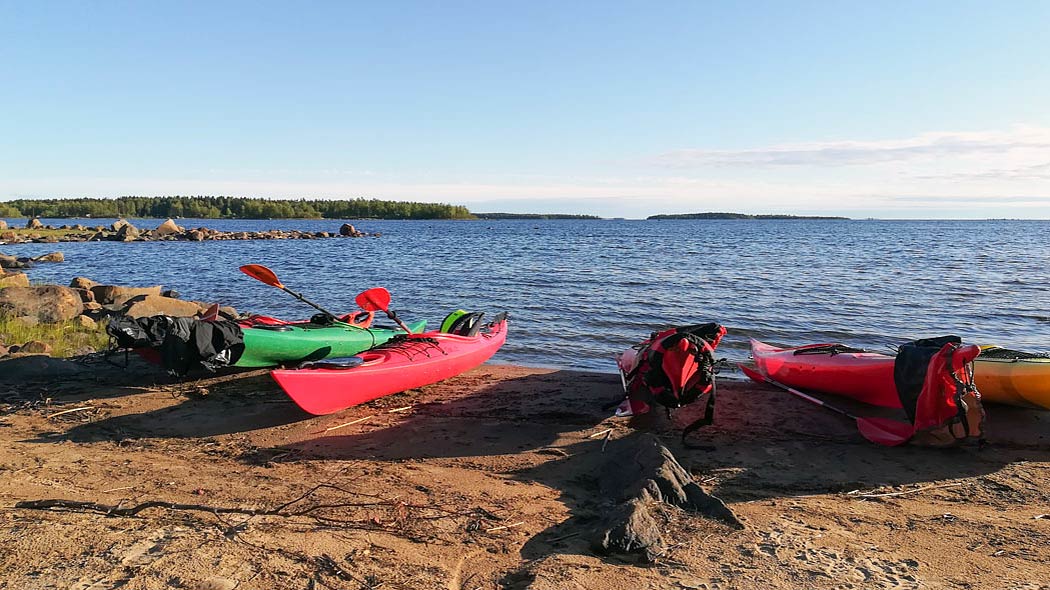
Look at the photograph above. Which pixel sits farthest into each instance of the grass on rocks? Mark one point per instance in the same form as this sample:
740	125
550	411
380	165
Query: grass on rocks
65	339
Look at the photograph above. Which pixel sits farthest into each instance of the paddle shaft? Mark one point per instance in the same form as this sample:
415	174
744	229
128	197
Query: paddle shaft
877	430
810	398
267	276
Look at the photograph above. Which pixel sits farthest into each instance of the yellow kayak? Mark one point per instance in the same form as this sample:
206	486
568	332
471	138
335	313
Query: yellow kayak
1012	377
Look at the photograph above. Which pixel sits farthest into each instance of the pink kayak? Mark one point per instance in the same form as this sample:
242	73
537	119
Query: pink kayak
406	362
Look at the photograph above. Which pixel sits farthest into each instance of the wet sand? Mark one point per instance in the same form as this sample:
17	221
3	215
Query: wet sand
487	481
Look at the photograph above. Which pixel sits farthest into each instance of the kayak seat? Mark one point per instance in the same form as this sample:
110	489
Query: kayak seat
467	324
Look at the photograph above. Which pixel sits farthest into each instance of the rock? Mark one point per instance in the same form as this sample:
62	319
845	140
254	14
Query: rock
229	312
116	225
127	233
641	476
35	347
86	295
34	223
15	279
52	257
170	293
168	228
3	350
151	305
3	224
8	261
8	236
348	230
82	283
117	295
92	307
50	304
195	235
84	322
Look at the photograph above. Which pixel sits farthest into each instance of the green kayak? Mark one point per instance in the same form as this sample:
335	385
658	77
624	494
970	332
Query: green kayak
272	345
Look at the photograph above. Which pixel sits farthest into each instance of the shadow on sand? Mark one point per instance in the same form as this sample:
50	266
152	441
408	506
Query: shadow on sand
764	444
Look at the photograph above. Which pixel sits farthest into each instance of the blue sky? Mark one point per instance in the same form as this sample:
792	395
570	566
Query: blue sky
888	109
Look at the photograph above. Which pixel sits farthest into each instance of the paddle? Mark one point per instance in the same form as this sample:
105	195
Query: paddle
265	275
378	299
883	431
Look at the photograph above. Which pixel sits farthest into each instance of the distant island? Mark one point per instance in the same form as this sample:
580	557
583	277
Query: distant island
532	216
737	216
231	208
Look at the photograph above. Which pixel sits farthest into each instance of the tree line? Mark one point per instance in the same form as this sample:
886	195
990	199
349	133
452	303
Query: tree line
231	207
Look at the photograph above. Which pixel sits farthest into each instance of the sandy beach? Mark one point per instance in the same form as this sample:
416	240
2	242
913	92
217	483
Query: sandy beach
486	481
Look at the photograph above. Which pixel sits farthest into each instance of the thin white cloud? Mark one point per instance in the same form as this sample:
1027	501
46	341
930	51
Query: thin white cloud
925	146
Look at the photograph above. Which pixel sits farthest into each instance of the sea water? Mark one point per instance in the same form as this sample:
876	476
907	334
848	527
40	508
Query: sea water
578	291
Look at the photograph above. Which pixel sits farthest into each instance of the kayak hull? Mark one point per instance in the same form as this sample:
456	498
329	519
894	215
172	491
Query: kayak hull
292	343
864	376
1023	382
420	360
868	376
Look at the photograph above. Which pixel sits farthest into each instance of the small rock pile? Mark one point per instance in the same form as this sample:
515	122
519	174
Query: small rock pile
123	231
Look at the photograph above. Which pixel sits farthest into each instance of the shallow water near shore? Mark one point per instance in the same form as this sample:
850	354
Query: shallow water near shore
581	290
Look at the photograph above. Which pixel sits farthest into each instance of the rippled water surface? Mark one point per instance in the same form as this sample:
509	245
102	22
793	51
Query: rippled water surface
579	291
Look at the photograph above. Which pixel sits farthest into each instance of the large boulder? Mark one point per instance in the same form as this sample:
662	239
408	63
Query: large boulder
50	304
116	224
3	224
348	230
151	305
117	295
167	228
34	223
127	233
15	279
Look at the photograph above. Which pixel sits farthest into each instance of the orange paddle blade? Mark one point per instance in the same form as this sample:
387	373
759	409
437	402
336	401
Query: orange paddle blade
261	273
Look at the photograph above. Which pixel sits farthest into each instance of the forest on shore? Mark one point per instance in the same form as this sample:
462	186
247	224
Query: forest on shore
231	207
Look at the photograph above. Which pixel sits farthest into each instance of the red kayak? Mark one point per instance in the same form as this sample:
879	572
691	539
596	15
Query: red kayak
838	369
405	362
831	368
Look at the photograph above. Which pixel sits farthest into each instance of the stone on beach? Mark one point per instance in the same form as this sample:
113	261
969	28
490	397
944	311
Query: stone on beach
17	279
118	295
50	304
82	283
34	223
151	305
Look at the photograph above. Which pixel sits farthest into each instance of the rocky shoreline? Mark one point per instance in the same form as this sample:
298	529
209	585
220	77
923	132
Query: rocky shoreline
83	306
36	231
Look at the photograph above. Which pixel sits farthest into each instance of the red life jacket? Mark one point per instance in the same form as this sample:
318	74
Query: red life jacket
676	367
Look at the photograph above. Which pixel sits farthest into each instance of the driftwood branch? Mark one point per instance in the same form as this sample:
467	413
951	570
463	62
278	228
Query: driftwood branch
400	516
